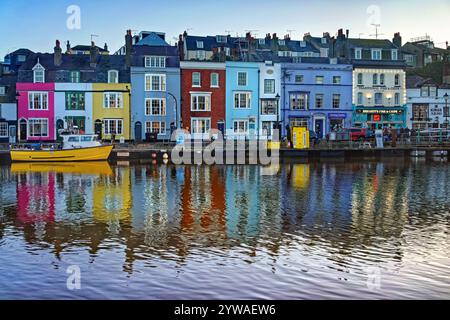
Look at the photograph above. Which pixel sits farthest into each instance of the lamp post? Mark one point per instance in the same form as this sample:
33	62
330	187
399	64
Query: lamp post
176	108
278	114
446	111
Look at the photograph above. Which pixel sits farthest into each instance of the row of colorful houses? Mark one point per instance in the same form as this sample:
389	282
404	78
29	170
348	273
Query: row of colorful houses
244	87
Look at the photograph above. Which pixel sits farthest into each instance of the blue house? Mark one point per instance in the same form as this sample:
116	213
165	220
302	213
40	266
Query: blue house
316	94
155	83
242	99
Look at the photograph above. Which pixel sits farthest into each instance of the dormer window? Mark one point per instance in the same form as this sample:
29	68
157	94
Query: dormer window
281	42
302	44
394	54
221	39
155	62
324	40
113	76
262	41
358	53
38	73
376	54
200	44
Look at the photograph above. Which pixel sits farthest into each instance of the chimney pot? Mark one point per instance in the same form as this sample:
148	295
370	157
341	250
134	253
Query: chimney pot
57	55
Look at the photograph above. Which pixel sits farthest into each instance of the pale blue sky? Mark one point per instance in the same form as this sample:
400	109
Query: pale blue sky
36	24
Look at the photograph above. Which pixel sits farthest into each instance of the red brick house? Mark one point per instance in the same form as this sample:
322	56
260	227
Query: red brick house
203	97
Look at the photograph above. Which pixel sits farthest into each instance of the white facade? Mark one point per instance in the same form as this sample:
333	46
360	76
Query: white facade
426	108
269	94
61	112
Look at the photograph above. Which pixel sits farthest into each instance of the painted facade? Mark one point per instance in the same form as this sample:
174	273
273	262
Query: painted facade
269	98
203	96
242	100
317	94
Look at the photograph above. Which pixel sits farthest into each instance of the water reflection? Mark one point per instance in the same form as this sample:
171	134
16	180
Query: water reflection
306	223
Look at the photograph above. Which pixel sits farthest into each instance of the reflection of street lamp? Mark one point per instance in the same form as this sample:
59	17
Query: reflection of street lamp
446	109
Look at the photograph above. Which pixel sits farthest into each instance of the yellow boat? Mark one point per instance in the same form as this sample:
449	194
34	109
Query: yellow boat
84	168
75	148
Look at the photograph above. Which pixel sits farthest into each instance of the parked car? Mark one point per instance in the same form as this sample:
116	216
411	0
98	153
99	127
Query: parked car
358	134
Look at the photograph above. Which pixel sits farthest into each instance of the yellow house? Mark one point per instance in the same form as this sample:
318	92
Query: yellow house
111	110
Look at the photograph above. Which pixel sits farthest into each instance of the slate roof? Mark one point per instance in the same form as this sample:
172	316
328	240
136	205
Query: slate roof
21	51
370	43
385	64
152	39
171	52
416	81
8	81
87	48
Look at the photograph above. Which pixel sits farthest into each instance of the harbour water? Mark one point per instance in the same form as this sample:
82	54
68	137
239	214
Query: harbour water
311	231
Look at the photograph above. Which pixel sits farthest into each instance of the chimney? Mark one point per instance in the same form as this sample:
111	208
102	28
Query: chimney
128	46
57	56
68	48
446	73
1	71
340	35
93	55
347	32
287	37
397	41
326	35
106	47
275	43
185	34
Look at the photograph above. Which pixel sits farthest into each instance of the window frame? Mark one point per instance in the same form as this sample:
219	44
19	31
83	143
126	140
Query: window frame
161	106
41	101
6	129
78	95
155	62
117	120
194	85
110	72
246	78
159	132
269	81
29	123
148	85
118	100
248	99
373	54
207	102
246	126
197	119
211	80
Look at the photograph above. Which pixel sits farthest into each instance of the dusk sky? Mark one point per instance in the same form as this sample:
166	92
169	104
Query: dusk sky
37	24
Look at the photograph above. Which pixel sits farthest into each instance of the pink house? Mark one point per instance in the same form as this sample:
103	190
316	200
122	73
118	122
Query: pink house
36	111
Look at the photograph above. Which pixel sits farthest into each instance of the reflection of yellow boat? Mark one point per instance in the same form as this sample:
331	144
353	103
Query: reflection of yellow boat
94	167
75	148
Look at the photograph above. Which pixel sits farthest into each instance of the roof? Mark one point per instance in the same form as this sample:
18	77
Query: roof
171	52
385	64
87	48
21	51
8	81
416	81
152	39
371	43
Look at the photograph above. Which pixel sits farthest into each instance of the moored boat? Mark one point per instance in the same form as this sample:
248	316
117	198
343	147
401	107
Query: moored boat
75	147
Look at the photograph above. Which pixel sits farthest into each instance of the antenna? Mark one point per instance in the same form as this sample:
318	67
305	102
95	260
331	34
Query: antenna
289	31
360	34
93	36
254	32
376	25
228	32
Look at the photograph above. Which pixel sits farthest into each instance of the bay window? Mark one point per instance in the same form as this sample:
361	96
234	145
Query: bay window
200	102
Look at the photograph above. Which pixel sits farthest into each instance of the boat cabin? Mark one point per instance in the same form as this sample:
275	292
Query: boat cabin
76	141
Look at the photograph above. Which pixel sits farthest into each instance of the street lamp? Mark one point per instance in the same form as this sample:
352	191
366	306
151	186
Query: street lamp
278	114
446	111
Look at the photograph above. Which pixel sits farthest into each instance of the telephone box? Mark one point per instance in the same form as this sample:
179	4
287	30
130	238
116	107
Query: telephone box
300	138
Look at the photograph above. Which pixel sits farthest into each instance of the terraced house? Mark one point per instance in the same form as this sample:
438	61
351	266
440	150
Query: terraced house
88	93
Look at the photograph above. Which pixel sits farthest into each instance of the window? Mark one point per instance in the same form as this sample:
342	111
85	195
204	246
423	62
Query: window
200	125
112	100
199	44
155	82
113	126
214	80
113	76
323	40
269	86
281	42
360	98
79	122
382	79
37	101
397	98
2	91
240	126
269	107
397	80
262	41
376	54
200	55
242	100
158	127
299	101
378	98
196	80
298	122
336	101
74	76
319	79
433	91
21	58
155	107
3	129
375	79
360	79
298	78
336	79
420	112
358	54
394	54
38	127
200	102
38	74
155	62
242	78
75	101
221	39
319	100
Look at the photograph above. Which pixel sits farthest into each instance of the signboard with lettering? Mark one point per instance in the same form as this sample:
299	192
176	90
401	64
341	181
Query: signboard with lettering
436	111
380	111
337	115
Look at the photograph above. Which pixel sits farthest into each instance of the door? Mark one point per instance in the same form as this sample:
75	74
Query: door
98	128
59	128
138	131
319	126
12	134
221	127
23	130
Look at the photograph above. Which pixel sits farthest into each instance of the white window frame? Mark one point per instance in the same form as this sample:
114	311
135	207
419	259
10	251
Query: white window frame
31	95
360	99
374	54
248	100
360	76
338	95
338	78
200	55
149	124
107	100
358	53
320	77
221	39
197	119
238	121
148	83
31	120
262	41
105	126
2	90
246	78
397	77
195	105
397	101
194	85
155	62
110	73
149	107
392	54
273	87
217	84
200	44
38	68
4	128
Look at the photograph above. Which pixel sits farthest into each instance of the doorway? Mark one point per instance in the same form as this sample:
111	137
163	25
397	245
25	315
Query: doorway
319	127
12	134
23	130
98	128
138	131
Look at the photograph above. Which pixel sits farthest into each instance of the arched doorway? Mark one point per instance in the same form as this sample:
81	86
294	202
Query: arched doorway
138	131
59	128
98	128
22	130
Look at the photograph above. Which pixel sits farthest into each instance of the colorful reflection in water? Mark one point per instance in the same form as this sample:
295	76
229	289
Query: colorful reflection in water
167	232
